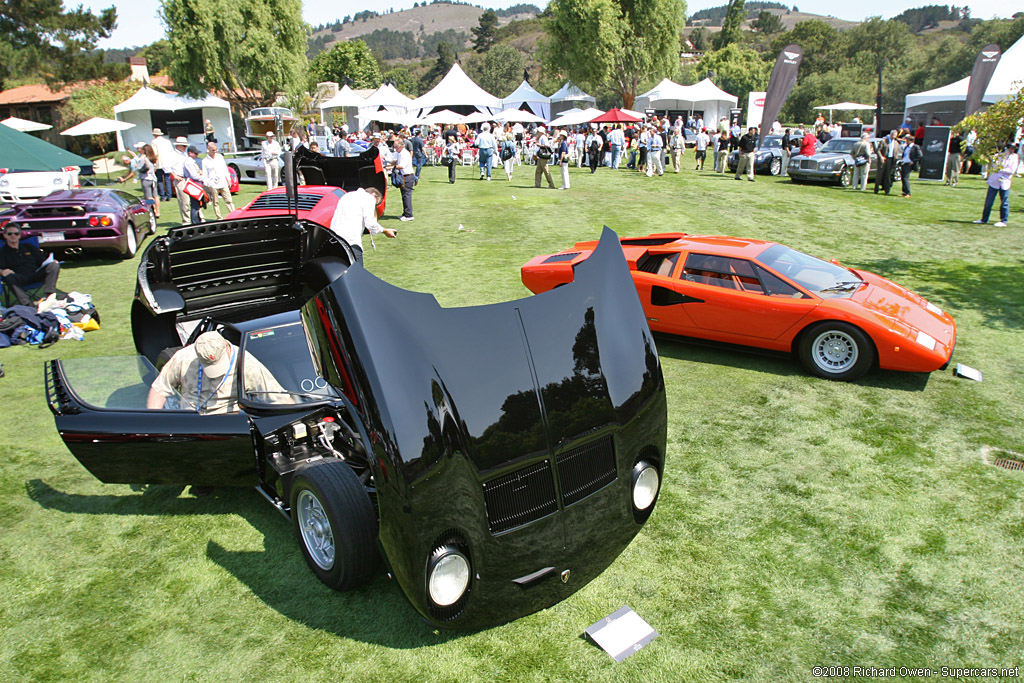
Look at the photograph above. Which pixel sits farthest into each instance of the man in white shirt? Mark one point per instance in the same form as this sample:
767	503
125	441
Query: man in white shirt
271	153
215	173
357	211
164	151
701	148
403	162
174	166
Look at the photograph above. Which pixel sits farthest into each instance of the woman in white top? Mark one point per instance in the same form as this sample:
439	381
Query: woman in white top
999	183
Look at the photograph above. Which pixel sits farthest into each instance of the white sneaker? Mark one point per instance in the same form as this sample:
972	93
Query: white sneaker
1000	224
980	222
405	218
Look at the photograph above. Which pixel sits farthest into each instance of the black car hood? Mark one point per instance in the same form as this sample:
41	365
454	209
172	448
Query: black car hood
502	382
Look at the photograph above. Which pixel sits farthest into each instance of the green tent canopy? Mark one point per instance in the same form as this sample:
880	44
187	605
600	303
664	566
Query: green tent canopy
23	152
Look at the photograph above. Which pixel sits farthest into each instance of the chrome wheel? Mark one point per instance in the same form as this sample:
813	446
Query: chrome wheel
846	177
315	528
131	241
775	168
834	352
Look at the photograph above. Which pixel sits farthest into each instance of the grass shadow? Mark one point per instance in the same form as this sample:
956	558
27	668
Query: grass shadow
277	575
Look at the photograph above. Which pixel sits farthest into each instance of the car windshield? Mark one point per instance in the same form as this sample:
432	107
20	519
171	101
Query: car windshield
821	277
771	142
837	145
278	367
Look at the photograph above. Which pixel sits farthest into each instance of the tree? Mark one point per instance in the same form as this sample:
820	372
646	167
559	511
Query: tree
445	59
622	43
157	56
767	22
403	80
96	100
996	126
39	35
876	44
250	51
732	27
502	70
699	39
484	33
820	43
738	70
350	60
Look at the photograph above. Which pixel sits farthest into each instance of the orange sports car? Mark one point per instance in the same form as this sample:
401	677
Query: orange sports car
840	322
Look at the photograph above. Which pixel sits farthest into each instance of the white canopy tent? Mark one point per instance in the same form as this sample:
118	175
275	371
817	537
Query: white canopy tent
174	115
845	106
705	97
477	117
569	96
443	116
576	117
385	98
517	116
23	125
526	96
346	100
949	101
456	89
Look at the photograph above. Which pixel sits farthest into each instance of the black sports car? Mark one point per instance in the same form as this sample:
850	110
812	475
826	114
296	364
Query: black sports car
767	159
496	457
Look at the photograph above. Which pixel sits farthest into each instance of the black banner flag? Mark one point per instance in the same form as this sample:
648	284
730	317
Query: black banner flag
933	153
779	86
984	67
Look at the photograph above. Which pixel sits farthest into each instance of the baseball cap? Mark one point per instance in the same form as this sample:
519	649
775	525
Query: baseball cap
192	149
212	351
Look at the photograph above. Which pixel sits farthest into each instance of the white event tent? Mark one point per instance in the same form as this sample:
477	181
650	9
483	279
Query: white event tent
456	91
576	117
703	97
347	100
568	97
527	98
949	101
174	115
386	98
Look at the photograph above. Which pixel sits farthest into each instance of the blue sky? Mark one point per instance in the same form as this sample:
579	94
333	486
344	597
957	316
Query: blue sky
138	23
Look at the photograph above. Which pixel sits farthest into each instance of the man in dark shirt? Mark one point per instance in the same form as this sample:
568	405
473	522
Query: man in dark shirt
419	158
21	264
745	162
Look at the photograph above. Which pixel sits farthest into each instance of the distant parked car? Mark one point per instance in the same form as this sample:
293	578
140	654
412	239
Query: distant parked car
248	167
22	187
768	159
832	163
98	219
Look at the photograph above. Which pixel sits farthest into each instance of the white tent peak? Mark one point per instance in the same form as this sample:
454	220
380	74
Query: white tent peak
456	89
526	94
387	95
570	91
147	98
346	97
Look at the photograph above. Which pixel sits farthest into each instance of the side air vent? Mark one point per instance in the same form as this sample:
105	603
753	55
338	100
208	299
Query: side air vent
559	258
279	202
519	498
586	469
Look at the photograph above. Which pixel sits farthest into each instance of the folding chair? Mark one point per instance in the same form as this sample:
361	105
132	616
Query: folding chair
33	289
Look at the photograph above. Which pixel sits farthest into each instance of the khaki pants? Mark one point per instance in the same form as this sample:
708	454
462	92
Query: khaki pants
860	176
677	159
953	169
745	162
542	171
224	193
721	159
183	203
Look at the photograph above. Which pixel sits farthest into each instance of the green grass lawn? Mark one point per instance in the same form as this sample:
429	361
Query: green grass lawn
802	522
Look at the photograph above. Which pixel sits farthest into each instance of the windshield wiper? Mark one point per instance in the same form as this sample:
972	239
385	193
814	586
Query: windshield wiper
843	286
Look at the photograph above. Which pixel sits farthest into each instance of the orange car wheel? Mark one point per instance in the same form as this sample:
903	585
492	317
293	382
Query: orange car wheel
836	350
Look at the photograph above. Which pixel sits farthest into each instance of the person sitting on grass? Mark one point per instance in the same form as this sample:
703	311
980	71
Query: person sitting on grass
21	264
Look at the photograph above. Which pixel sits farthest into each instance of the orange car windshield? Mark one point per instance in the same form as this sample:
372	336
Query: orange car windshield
821	277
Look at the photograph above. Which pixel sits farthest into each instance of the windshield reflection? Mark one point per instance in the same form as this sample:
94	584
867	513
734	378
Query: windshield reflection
821	277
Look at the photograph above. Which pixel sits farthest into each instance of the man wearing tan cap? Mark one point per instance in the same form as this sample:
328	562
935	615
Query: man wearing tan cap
202	377
271	150
175	166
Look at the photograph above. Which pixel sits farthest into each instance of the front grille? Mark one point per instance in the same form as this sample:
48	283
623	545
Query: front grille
808	164
586	469
520	497
279	202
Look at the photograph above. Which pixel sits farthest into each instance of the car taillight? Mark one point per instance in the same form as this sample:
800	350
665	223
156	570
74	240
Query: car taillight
68	169
3	170
95	221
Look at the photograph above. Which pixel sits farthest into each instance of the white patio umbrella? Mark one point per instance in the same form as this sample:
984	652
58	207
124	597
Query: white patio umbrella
23	125
443	116
98	125
517	116
392	117
478	117
844	106
577	118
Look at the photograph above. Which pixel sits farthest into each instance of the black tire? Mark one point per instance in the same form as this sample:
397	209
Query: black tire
846	176
335	523
775	167
131	242
836	350
795	180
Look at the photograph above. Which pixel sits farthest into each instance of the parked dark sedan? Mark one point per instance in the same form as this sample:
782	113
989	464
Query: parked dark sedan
767	159
832	163
97	219
497	457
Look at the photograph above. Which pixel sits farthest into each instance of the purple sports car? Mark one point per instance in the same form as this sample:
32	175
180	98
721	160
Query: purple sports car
99	219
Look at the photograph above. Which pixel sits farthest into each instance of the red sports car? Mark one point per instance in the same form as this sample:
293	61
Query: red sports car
324	180
840	322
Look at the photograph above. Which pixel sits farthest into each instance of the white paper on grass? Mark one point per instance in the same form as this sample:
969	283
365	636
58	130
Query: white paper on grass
621	633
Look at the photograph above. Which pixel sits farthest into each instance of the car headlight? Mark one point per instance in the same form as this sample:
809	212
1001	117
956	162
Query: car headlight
926	340
448	576
58	181
645	485
826	165
4	183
